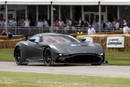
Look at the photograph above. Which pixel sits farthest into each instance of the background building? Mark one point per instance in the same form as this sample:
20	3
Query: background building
73	9
33	11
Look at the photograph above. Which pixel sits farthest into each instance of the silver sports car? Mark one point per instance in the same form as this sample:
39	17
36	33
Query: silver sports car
52	48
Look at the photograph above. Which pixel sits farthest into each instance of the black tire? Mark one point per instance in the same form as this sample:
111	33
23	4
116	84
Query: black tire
18	57
48	61
96	64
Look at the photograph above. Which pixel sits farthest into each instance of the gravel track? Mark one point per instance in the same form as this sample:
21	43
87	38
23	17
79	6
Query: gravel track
104	71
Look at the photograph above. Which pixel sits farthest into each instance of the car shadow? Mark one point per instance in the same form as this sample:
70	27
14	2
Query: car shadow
57	65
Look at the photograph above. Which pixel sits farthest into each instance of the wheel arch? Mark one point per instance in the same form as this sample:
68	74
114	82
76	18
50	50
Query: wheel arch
53	51
22	47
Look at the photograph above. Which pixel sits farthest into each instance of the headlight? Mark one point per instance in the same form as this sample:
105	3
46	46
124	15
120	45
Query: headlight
101	54
60	54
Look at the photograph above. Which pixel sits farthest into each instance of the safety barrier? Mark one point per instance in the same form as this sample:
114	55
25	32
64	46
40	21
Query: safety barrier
32	30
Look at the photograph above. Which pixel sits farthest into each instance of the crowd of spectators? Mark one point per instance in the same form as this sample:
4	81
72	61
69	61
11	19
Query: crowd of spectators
23	22
43	23
13	22
68	23
114	25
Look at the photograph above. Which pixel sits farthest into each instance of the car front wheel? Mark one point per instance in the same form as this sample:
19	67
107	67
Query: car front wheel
48	61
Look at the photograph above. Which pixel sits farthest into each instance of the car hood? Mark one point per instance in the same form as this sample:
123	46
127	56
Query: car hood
74	48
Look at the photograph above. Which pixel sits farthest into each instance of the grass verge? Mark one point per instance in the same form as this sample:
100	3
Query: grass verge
6	54
118	57
18	79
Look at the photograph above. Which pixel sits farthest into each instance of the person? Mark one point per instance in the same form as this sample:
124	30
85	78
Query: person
27	23
10	21
125	29
21	22
68	23
86	23
128	23
91	30
121	23
40	23
108	25
95	24
79	31
45	23
56	25
61	23
80	23
6	32
2	22
117	25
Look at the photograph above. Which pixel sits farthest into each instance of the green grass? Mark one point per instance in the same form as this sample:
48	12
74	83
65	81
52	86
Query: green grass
6	55
118	57
18	79
113	57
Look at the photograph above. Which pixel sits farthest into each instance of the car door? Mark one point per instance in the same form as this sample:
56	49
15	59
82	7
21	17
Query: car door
34	49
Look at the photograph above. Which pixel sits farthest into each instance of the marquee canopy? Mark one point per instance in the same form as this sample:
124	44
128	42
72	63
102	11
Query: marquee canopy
66	2
115	2
26	2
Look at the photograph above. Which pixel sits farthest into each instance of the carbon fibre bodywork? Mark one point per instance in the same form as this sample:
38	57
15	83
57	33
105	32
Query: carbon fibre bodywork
67	52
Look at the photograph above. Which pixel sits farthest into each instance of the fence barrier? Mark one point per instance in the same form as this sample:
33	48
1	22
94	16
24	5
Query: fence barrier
19	30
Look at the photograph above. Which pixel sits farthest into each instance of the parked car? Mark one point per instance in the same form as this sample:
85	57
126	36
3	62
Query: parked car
53	48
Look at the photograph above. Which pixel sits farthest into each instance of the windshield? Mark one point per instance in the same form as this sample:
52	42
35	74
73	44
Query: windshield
59	39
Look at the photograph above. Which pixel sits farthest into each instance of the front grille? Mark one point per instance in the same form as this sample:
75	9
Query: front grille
91	58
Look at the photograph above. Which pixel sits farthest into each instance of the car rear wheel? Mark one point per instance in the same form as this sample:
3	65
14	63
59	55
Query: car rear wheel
48	61
18	57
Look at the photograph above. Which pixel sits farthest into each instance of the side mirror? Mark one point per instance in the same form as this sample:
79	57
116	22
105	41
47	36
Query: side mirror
83	39
32	39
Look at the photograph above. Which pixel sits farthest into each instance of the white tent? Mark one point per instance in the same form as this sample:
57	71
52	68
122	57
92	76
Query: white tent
115	2
26	2
47	2
66	2
75	2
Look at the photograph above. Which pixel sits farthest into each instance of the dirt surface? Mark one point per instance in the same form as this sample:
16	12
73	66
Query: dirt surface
104	71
